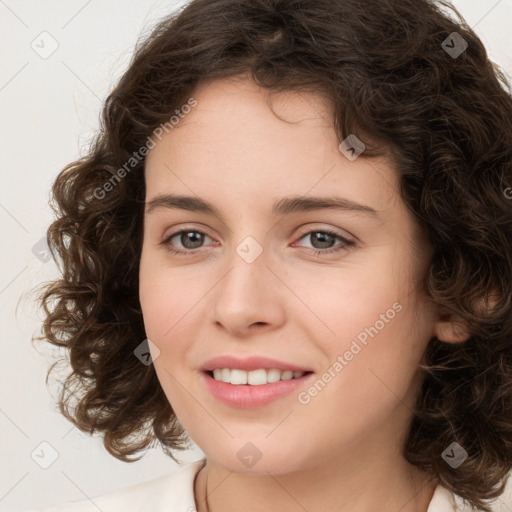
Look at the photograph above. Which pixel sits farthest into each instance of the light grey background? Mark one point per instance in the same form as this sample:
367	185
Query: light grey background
49	110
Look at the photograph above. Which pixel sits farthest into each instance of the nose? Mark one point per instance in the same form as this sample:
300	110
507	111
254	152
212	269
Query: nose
250	295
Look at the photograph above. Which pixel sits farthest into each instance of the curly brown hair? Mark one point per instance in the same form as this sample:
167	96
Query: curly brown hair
389	69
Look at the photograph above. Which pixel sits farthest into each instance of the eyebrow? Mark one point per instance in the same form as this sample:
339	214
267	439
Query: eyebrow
283	206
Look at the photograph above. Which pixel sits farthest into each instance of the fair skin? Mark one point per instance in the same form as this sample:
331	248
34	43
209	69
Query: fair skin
342	450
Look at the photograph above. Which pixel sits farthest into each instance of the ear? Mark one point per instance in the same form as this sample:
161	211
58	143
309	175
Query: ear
450	328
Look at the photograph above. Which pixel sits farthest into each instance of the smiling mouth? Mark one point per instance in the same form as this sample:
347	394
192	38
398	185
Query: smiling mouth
255	377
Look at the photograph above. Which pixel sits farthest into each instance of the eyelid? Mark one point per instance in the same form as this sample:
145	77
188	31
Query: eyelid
341	233
174	230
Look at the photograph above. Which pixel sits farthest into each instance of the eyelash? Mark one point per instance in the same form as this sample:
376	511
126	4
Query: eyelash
317	252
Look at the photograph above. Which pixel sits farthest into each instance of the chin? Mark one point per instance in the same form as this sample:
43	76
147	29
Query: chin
248	459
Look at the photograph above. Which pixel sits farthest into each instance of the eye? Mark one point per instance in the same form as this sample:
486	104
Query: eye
192	239
323	239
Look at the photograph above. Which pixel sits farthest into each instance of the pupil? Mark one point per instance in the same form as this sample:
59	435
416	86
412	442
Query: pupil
189	237
322	235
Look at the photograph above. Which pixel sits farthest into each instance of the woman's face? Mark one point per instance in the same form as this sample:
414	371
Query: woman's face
274	284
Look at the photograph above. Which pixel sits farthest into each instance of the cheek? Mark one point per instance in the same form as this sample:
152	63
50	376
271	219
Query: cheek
375	325
344	300
163	304
158	299
167	312
161	291
379	358
172	301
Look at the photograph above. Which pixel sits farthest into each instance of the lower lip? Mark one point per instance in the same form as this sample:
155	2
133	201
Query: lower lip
245	396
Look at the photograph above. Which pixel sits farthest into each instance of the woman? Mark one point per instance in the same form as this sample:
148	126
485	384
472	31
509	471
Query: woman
291	243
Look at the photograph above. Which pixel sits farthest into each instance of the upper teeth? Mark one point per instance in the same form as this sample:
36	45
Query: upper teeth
254	377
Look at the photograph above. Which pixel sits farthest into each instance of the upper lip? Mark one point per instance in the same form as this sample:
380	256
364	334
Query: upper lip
250	363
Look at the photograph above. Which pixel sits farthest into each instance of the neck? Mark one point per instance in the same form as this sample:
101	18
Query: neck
316	489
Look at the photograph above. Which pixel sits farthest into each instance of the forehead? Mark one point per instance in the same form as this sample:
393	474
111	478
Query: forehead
244	141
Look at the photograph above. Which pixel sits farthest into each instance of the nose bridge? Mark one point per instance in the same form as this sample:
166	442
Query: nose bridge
249	238
247	292
250	249
248	268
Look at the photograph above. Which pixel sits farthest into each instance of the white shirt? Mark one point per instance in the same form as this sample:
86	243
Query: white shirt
175	492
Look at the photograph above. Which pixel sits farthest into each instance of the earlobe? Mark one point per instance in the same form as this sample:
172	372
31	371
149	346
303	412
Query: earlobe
451	329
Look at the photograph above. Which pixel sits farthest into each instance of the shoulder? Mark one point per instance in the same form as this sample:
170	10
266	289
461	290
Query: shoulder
174	491
444	500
